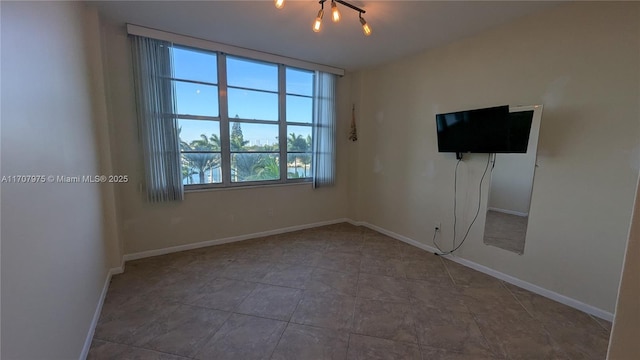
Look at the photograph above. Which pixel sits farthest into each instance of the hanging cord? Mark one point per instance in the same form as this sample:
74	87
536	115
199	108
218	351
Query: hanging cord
455	198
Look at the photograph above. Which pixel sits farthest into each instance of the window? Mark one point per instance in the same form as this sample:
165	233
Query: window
239	121
265	116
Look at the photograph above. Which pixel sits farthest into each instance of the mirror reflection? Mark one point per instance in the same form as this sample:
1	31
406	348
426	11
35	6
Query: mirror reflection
511	186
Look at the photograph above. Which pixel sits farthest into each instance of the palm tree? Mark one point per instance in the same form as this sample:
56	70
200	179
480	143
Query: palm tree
267	168
296	143
306	158
197	155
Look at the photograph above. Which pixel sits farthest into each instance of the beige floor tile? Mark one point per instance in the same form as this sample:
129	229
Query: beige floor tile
221	294
446	297
103	350
123	325
247	270
243	337
273	302
490	300
325	310
464	276
381	248
382	266
301	342
518	336
311	276
387	320
429	353
183	332
371	348
294	254
385	288
332	282
337	261
455	331
289	275
432	271
345	244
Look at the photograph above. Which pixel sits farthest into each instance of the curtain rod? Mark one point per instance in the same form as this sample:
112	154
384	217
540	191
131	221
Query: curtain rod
228	49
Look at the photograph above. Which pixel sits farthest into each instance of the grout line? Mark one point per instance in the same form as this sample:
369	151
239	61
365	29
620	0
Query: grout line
205	342
446	268
484	337
387	339
146	349
517	300
348	344
279	339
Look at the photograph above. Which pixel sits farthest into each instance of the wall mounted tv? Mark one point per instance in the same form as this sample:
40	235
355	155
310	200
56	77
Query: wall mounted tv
488	130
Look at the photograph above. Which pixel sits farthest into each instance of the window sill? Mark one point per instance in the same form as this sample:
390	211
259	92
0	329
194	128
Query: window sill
244	187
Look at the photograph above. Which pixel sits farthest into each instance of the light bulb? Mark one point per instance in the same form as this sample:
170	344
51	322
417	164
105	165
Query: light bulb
335	14
318	22
279	4
365	27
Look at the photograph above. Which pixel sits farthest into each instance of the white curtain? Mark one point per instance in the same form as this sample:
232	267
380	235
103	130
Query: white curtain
157	125
324	139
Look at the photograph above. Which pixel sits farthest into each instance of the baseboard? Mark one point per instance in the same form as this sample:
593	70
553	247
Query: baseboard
96	314
491	272
497	274
510	212
535	289
169	250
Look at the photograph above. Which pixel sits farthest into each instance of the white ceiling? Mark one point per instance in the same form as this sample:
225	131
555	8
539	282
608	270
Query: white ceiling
400	28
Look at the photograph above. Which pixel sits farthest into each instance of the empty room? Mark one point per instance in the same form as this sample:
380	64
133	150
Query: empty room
319	179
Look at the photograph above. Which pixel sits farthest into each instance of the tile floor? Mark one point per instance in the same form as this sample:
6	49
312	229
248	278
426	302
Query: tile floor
335	292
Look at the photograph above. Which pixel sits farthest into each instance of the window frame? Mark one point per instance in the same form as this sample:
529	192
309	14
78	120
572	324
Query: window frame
225	124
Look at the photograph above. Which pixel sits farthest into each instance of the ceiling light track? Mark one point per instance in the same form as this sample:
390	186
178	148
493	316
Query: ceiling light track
335	14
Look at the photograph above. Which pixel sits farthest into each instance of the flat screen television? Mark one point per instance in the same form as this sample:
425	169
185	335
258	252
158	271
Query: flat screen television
488	130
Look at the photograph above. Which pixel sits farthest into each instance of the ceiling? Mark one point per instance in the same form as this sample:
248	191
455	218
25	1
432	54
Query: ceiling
400	28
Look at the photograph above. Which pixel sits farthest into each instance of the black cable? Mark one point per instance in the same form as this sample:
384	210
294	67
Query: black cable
455	188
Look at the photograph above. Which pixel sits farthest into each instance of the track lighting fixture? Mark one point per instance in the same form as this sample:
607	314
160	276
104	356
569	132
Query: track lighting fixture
318	22
365	27
335	14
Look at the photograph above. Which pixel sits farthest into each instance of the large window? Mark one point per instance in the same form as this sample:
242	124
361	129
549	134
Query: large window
208	119
241	121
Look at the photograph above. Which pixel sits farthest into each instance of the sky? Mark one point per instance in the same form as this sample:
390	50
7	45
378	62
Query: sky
202	99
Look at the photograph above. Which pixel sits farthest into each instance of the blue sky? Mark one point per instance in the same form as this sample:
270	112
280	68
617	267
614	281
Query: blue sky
201	99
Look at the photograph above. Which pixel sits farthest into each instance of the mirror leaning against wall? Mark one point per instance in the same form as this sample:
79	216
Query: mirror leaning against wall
511	186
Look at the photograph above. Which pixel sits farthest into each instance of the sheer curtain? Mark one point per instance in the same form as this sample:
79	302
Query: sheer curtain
157	125
324	139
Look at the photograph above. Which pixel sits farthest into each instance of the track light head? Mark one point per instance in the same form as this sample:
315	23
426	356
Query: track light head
279	4
318	23
365	27
335	14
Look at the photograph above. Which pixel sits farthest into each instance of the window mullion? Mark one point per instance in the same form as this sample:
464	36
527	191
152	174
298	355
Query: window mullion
224	119
282	111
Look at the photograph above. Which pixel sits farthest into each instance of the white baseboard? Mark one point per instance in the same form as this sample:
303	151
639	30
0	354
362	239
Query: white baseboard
169	250
497	274
491	272
510	212
535	289
96	314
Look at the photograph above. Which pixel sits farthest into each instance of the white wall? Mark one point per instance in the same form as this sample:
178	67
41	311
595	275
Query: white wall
55	254
624	336
511	182
205	215
581	61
